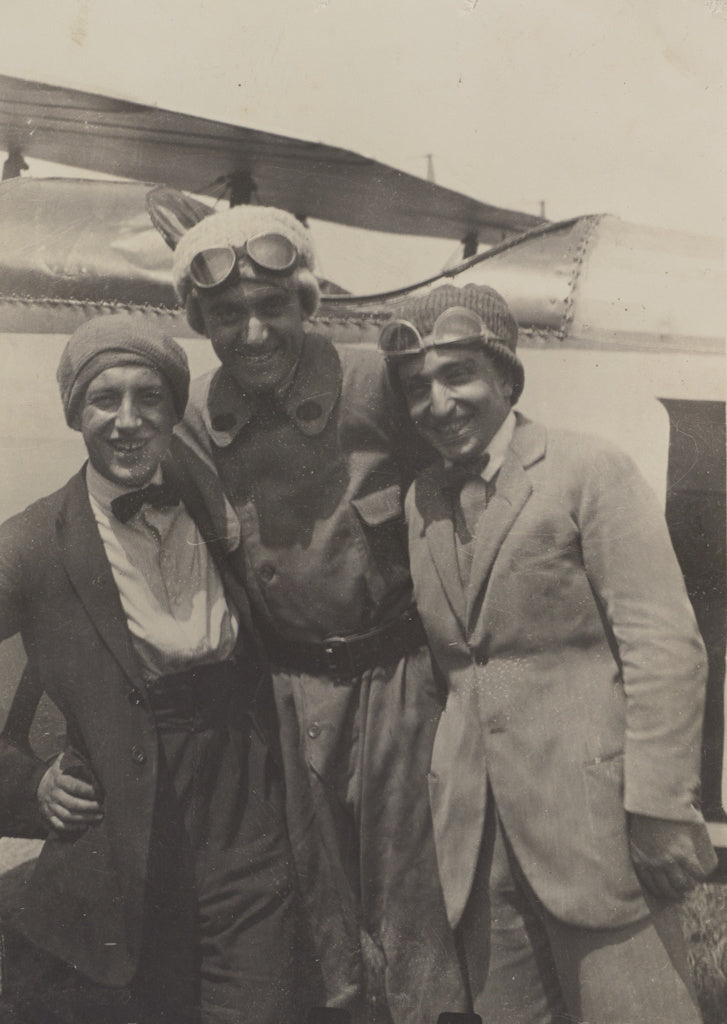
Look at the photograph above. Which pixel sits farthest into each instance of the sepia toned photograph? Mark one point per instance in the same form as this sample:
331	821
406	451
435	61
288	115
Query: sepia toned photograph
363	530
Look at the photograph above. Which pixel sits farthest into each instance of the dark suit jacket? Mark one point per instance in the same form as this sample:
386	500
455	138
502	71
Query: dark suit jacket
85	901
575	668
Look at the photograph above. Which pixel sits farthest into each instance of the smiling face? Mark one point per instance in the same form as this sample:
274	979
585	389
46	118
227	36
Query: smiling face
256	330
458	399
126	420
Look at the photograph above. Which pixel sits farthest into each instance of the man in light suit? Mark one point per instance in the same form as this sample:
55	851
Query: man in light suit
564	774
164	893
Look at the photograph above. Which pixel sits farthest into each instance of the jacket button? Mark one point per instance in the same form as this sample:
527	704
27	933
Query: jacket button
267	572
309	410
134	697
223	421
314	730
138	755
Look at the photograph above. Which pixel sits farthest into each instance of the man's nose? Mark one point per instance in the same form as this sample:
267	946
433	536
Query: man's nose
441	402
257	331
127	415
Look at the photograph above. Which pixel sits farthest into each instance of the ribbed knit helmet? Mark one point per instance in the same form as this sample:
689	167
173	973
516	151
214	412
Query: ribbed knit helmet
424	310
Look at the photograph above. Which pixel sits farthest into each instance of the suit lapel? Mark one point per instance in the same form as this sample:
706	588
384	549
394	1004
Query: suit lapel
436	511
84	559
512	490
183	467
178	467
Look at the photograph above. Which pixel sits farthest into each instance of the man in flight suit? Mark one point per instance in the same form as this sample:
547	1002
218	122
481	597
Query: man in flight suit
305	440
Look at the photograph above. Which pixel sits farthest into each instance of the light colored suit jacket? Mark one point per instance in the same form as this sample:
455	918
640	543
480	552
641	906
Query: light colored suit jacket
575	668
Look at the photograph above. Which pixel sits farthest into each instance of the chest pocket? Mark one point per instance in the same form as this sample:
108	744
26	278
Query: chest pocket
383	531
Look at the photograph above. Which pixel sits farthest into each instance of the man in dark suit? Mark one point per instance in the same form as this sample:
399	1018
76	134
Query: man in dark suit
565	767
164	891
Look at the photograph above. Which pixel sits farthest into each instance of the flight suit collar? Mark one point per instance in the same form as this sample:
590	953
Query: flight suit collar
308	400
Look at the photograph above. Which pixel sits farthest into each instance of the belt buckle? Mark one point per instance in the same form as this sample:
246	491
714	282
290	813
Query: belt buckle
339	658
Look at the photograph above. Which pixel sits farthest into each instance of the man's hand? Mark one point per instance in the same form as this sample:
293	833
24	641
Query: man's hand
670	857
68	804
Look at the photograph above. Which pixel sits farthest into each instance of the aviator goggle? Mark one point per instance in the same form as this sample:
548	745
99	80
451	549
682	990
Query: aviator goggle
456	326
269	253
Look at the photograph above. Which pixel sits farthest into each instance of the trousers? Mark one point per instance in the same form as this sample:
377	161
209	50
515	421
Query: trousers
530	968
356	758
225	940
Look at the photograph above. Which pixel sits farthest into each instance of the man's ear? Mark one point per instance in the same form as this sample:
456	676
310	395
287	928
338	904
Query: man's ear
308	292
507	382
194	313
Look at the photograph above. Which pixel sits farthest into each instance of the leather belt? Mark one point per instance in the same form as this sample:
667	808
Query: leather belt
345	657
197	696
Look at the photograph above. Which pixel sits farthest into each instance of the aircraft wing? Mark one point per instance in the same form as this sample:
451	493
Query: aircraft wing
310	179
70	249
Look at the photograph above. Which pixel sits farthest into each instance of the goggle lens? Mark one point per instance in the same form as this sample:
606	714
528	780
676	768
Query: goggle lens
457	324
399	337
272	252
212	267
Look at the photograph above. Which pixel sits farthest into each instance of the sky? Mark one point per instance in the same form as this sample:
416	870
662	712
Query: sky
587	105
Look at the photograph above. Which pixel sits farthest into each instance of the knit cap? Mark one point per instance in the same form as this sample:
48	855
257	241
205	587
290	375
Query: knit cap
423	310
234	227
118	340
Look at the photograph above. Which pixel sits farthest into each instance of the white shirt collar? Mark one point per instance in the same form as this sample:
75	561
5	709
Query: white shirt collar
498	446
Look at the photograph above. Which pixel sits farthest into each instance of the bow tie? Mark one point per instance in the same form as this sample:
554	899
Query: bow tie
164	495
459	473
